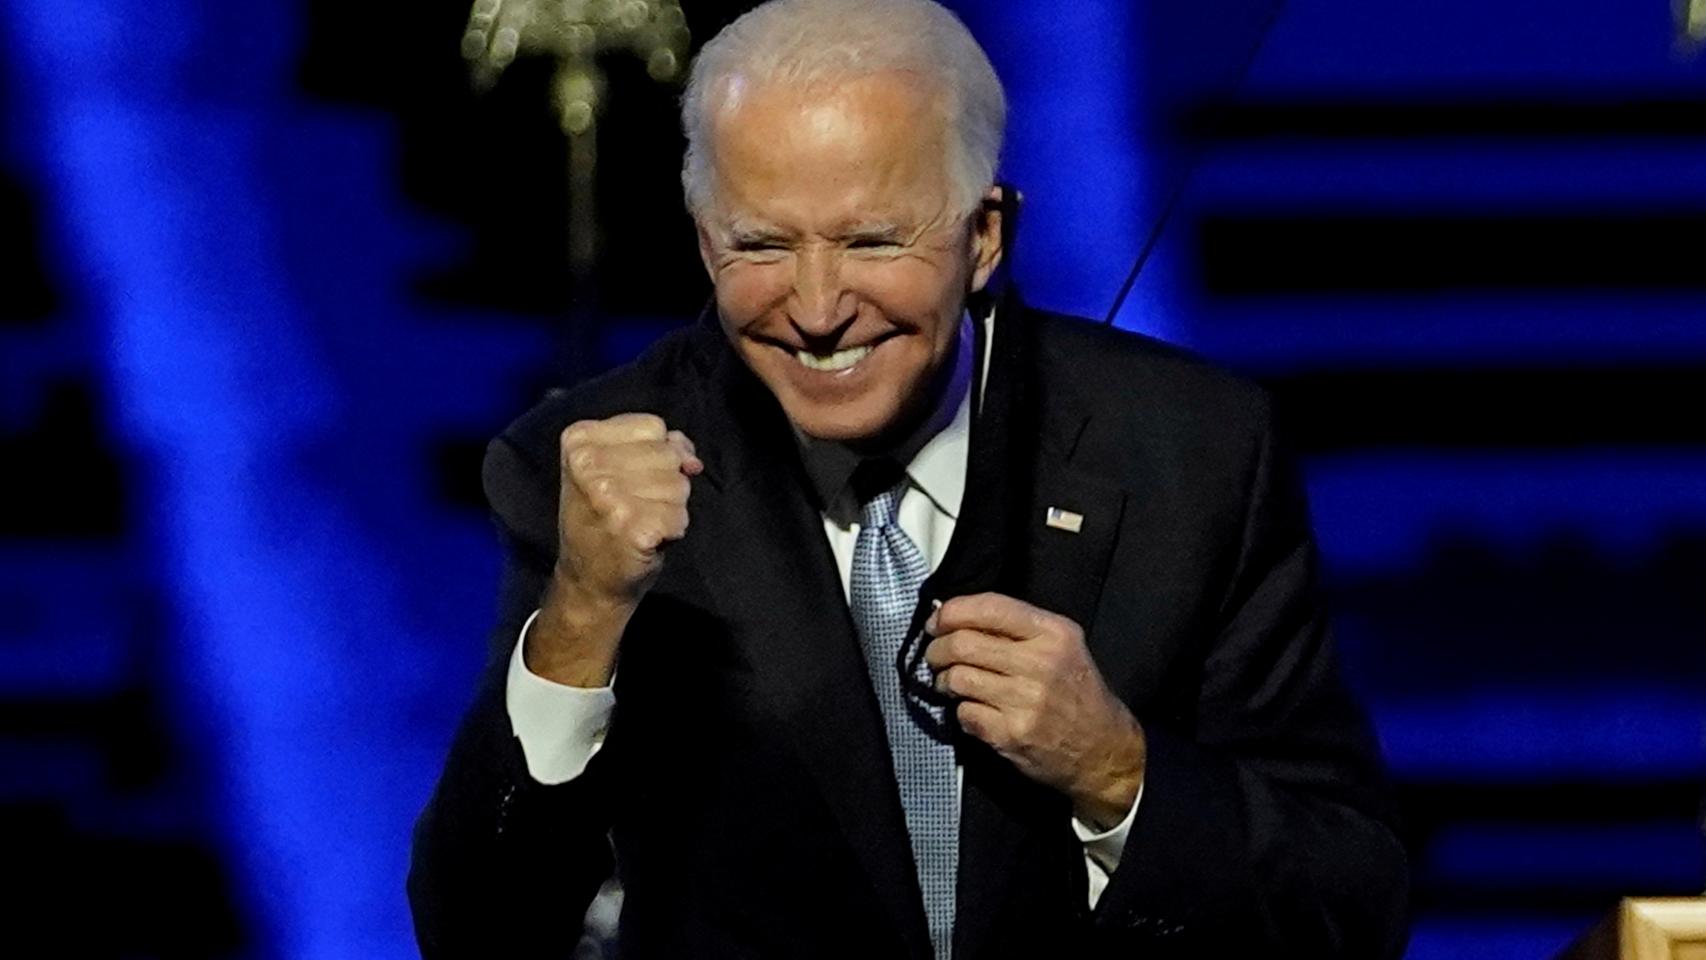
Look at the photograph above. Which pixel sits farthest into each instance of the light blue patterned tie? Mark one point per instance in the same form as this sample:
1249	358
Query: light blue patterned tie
887	571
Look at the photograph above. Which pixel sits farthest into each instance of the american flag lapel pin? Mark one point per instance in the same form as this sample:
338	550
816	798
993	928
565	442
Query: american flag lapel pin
1064	520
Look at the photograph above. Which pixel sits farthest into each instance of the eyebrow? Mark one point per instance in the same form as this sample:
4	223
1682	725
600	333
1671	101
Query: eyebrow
874	231
748	231
753	231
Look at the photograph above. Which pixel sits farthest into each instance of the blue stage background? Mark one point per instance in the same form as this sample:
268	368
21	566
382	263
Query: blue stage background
275	274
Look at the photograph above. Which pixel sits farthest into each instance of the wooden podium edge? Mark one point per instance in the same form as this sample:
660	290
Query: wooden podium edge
1651	926
1643	928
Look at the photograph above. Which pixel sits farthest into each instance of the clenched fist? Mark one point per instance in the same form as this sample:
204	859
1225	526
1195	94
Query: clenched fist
623	500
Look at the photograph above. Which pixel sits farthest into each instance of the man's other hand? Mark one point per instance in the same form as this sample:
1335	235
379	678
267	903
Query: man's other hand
623	500
1026	685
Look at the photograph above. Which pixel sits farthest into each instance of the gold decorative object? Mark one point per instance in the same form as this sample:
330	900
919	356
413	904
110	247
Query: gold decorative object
1691	21
574	33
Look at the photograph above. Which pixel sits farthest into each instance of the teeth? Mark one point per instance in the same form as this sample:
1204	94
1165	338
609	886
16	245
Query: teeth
839	360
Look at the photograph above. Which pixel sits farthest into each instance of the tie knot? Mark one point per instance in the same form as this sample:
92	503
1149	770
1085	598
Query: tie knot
878	484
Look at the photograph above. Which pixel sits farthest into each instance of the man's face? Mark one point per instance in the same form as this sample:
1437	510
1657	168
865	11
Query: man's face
840	265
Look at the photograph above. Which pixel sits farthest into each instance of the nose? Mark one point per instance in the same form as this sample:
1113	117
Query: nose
822	306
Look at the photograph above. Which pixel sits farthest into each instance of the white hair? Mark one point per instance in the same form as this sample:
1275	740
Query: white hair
804	42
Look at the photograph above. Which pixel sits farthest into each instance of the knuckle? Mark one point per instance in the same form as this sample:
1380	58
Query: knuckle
1060	653
966	713
945	680
957	680
936	653
1036	694
945	616
641	523
575	433
957	608
948	647
1023	726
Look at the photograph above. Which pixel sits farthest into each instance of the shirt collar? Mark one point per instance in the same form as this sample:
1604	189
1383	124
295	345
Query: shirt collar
935	454
939	468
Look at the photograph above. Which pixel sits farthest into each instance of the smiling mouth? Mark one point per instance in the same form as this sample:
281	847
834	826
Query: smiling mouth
835	361
831	362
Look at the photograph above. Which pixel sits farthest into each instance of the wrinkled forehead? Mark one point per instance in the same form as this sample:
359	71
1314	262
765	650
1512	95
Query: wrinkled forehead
871	147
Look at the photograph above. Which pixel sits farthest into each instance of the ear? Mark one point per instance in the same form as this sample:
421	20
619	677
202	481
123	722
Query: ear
988	245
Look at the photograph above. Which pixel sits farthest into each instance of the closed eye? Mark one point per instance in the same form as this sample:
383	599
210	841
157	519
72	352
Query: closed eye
755	246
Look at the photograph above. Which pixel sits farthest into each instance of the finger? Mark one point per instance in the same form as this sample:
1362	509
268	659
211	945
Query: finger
994	613
974	683
622	428
635	426
666	488
608	493
624	460
690	462
652	526
983	722
978	649
674	453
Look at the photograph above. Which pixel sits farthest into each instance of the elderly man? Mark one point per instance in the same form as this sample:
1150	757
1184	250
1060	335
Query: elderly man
878	616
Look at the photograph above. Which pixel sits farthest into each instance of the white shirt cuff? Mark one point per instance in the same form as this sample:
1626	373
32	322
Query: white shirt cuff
1102	850
560	727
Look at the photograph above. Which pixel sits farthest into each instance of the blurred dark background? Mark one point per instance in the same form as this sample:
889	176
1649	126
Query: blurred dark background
274	272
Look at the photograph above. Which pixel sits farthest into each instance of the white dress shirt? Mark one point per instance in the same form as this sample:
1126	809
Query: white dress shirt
560	727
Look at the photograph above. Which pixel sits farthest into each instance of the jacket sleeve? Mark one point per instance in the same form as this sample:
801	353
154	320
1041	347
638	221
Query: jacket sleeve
503	865
1265	823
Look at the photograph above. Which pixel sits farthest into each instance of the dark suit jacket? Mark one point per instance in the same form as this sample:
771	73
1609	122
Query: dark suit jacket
745	787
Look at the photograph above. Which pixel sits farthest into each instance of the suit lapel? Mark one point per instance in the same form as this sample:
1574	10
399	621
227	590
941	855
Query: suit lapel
1066	567
758	540
1016	848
